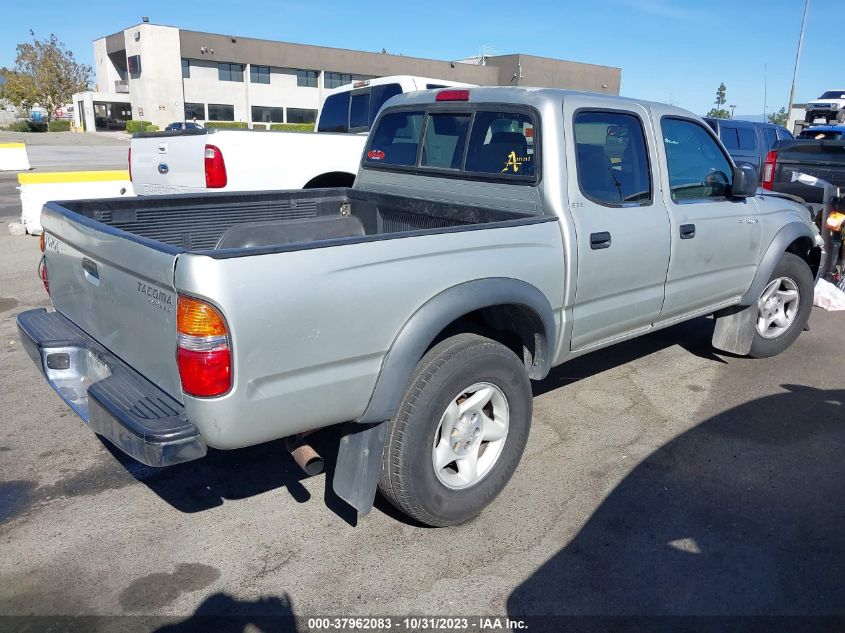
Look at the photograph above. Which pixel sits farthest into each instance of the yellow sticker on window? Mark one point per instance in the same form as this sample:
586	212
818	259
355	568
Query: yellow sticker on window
513	162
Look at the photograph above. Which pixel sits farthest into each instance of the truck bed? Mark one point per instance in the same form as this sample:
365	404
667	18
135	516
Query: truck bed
237	224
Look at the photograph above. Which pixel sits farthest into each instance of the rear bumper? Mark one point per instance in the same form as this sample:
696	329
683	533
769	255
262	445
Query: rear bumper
115	400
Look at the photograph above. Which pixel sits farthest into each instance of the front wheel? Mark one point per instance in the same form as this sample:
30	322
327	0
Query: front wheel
459	432
783	307
840	116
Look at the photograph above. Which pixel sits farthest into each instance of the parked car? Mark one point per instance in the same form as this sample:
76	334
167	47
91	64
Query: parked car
823	132
194	161
748	141
183	125
489	237
820	158
829	107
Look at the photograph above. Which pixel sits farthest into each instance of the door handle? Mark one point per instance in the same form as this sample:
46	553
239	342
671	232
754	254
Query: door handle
687	231
599	240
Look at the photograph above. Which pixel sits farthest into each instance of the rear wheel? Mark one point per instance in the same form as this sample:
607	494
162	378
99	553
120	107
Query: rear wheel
783	307
459	432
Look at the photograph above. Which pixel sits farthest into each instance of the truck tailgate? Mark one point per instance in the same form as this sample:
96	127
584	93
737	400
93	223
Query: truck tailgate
822	159
117	288
163	165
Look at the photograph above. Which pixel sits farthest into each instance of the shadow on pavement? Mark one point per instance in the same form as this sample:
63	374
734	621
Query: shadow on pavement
741	515
694	336
222	613
205	483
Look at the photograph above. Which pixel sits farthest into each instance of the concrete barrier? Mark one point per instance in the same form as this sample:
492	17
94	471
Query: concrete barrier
39	188
13	157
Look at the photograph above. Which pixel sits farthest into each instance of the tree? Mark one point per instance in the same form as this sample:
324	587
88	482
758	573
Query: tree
779	118
45	73
720	112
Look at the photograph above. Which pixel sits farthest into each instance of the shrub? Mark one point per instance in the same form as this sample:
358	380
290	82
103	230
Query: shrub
293	127
226	125
59	125
27	126
133	127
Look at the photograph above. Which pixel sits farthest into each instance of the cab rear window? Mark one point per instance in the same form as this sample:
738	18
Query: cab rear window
497	144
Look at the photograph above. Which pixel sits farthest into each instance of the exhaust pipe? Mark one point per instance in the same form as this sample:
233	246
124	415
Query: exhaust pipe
305	457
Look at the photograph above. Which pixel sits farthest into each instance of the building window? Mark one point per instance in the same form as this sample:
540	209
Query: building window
306	78
221	112
334	80
186	69
133	64
259	74
194	111
262	114
230	72
300	115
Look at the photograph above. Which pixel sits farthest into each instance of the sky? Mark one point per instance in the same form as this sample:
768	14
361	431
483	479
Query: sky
674	51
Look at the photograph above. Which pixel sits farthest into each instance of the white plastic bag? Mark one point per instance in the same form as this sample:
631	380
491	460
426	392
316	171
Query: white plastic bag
828	296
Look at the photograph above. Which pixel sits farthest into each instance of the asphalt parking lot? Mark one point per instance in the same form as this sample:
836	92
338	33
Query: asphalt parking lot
660	478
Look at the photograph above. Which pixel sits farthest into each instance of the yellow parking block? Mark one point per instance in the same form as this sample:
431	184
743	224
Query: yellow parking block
12	145
72	176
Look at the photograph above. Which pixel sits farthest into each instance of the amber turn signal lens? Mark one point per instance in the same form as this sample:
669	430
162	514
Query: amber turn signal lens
198	318
41	241
835	220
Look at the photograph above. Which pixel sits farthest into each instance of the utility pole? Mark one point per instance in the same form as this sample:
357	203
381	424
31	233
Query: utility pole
797	59
765	90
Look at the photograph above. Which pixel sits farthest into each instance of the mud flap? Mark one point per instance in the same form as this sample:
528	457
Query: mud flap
735	329
359	463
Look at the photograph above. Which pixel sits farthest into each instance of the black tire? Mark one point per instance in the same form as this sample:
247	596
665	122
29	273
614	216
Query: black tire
792	267
408	478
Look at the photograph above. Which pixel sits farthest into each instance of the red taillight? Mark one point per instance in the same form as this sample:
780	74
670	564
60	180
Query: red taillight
452	95
129	164
203	354
205	373
42	272
769	169
215	168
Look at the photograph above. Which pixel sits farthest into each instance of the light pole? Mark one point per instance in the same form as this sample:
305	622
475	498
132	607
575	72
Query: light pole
797	59
733	107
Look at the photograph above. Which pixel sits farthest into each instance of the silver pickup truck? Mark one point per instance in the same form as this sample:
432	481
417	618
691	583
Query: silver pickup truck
492	233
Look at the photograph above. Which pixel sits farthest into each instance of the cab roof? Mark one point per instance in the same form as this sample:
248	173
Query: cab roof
537	97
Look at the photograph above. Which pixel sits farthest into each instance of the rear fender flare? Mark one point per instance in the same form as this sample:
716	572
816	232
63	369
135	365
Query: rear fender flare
435	315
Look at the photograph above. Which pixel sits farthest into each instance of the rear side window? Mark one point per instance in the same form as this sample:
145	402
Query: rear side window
396	139
335	114
501	143
359	111
611	158
747	139
378	96
730	137
445	138
784	135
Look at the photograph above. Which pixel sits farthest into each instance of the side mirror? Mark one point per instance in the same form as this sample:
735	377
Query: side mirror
745	181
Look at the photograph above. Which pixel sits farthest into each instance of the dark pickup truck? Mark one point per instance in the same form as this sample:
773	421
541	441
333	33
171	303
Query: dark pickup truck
821	159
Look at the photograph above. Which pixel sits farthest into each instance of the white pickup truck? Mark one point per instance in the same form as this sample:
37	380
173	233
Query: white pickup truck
194	161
